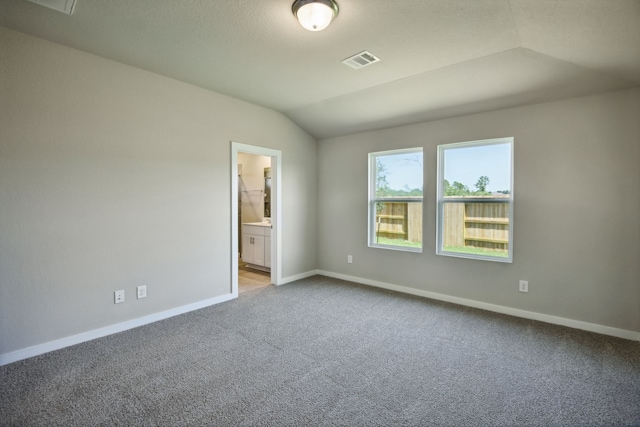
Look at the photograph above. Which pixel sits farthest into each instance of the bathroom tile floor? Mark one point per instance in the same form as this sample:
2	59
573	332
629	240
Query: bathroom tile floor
250	279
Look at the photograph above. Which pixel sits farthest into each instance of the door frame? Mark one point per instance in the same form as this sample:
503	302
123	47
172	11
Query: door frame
276	227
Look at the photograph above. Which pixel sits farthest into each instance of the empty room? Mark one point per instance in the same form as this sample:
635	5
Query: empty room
320	212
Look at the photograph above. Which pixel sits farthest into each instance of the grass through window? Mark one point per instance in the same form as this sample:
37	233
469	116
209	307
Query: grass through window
476	251
398	242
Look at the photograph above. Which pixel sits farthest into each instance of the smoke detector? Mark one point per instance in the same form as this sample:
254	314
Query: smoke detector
361	60
64	6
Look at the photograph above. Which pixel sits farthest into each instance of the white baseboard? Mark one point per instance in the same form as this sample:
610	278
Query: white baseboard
36	350
576	324
295	277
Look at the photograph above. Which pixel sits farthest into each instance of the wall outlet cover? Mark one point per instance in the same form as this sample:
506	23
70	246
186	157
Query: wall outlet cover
119	297
523	286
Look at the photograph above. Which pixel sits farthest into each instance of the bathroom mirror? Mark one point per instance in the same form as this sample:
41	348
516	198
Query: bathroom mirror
267	192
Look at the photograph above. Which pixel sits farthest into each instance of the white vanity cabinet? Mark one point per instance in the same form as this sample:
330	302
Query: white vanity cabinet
256	245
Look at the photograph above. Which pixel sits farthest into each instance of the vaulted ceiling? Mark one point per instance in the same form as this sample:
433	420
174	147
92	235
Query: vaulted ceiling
439	58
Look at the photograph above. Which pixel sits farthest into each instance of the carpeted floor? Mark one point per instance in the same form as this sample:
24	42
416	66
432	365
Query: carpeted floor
322	351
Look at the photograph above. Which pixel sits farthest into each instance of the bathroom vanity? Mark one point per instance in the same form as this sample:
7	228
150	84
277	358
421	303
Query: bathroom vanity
256	245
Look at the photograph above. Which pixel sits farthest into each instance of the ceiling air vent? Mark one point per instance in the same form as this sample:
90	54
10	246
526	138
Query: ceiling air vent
64	6
360	60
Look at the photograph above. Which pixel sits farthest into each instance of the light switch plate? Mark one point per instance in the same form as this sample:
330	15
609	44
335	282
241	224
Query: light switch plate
142	291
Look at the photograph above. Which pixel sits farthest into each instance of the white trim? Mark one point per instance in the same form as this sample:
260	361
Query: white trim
555	320
300	276
440	200
276	209
36	350
373	199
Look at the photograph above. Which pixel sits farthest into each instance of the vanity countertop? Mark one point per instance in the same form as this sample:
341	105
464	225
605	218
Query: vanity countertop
259	224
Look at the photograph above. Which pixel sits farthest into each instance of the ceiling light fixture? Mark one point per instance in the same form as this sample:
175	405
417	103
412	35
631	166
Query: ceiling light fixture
315	15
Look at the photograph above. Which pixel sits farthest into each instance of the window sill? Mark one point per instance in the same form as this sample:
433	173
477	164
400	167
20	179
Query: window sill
507	260
396	248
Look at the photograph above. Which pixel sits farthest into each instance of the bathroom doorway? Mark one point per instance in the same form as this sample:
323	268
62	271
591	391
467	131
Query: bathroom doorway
254	221
255	217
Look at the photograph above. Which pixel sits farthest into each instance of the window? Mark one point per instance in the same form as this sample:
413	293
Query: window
475	200
395	199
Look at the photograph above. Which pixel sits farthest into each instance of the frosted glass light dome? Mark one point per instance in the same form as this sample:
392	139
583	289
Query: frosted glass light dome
315	15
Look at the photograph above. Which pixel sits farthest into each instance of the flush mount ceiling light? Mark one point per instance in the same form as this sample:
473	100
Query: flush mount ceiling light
315	15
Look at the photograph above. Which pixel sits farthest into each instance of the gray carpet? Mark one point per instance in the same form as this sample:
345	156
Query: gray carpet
322	351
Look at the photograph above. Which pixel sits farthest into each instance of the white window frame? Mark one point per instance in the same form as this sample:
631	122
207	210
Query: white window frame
371	223
442	201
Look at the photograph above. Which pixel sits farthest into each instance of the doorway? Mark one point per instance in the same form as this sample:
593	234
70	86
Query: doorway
254	221
255	175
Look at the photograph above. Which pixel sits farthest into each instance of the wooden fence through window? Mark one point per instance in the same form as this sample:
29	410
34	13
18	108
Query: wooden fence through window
480	225
401	221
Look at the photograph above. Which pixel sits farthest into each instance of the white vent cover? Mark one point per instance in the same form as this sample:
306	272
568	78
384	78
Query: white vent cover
64	6
360	60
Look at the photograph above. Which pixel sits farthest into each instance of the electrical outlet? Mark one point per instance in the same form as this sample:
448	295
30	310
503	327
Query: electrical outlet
119	297
349	259
142	291
524	286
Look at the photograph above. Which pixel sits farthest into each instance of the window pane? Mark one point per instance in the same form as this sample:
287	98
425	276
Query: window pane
398	224
395	199
478	171
398	175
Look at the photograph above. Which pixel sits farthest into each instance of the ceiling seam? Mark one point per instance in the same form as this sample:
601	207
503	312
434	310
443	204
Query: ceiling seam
515	23
535	52
603	73
404	78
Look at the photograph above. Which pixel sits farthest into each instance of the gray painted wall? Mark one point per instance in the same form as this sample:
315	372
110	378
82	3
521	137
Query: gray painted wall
577	201
112	177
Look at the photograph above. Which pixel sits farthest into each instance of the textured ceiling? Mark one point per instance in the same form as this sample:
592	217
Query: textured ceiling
440	58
